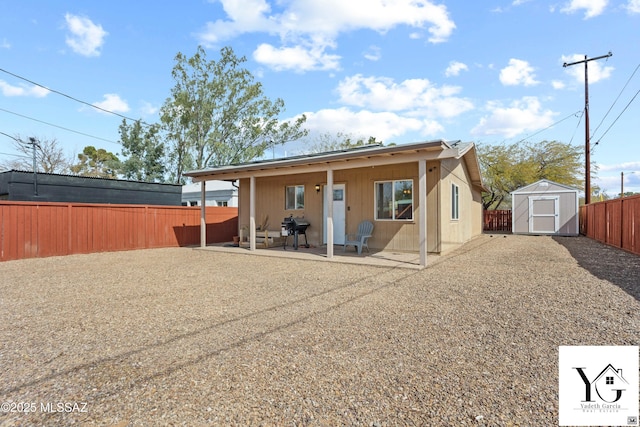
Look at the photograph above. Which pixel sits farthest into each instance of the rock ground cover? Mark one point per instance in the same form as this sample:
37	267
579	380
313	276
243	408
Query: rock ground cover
186	337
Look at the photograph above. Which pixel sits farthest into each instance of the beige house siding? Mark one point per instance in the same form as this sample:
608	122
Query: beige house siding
397	235
469	224
270	202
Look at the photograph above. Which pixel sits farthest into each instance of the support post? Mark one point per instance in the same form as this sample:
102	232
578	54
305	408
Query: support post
203	214
422	211
35	167
252	213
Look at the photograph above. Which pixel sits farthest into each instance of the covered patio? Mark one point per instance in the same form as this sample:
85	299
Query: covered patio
373	176
375	258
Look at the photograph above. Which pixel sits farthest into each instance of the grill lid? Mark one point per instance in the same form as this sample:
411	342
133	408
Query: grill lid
300	222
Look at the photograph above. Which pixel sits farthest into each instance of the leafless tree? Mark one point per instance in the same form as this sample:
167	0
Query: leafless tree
50	156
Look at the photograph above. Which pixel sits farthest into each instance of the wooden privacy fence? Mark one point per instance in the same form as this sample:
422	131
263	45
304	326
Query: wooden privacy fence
499	220
30	229
614	222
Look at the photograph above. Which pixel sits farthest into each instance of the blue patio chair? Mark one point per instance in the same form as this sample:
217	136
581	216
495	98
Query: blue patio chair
360	239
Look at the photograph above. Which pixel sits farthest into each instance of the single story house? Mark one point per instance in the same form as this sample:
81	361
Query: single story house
50	187
422	197
545	207
219	193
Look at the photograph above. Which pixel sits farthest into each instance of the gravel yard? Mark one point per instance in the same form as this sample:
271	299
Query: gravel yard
188	337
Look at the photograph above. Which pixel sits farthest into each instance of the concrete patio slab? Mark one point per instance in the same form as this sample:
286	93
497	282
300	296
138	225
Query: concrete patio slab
397	259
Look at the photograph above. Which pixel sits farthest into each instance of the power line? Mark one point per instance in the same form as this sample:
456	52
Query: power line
12	137
577	126
548	127
616	100
16	140
14	155
71	97
59	127
616	119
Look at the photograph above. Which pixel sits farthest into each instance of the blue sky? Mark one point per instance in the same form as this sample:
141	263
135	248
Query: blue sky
400	70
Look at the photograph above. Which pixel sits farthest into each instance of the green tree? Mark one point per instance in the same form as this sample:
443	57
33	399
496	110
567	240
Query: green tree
218	115
144	151
506	168
97	162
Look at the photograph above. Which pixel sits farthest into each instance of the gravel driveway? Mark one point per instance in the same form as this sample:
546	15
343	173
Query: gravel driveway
187	337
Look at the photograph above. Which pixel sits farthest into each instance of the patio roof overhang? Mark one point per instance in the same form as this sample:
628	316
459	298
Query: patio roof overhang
336	160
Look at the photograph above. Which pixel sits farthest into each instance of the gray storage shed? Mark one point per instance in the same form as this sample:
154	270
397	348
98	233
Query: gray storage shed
545	207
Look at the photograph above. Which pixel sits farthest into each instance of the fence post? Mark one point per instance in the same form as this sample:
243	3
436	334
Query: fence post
621	221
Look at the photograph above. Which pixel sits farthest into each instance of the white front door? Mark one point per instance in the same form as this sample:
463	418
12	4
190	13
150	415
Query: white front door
339	212
544	215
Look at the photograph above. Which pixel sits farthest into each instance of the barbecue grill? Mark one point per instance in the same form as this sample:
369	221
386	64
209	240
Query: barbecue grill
294	227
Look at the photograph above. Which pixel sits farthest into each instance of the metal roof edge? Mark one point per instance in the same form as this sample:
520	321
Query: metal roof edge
464	152
83	177
321	157
568	187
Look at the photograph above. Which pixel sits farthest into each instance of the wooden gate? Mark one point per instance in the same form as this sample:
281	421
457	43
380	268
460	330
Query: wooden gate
499	220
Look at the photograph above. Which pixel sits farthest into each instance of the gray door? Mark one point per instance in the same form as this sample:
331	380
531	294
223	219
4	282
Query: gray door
544	215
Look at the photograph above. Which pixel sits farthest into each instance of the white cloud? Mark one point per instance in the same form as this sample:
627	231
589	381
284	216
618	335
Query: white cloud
22	90
384	126
245	16
296	58
373	53
611	184
5	44
631	181
633	6
597	69
382	93
148	109
85	38
620	167
317	24
592	8
518	72
557	84
112	102
455	68
521	116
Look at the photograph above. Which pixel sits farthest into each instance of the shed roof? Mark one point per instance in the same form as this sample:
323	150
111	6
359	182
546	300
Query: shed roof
368	155
530	187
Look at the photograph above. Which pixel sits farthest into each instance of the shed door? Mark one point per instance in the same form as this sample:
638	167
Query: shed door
544	215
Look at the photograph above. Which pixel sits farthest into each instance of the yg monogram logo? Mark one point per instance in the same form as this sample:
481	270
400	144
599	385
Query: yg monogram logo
592	388
605	384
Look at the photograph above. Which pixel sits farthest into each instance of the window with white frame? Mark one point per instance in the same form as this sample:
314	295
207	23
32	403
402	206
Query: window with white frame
294	197
455	202
394	200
